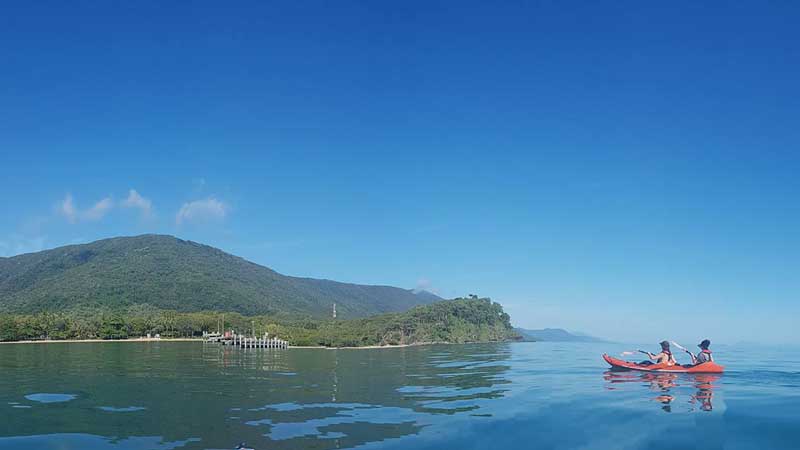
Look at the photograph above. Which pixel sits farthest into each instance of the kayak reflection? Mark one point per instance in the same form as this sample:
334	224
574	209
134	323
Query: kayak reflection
667	387
705	391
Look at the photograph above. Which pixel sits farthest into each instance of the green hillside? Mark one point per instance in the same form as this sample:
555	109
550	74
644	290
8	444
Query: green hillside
453	321
172	274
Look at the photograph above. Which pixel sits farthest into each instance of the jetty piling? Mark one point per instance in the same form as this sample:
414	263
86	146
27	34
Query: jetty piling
242	341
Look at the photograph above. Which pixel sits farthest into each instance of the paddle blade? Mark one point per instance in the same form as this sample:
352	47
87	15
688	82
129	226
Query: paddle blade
679	346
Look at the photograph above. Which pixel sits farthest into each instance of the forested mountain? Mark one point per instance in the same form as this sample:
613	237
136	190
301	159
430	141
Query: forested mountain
173	274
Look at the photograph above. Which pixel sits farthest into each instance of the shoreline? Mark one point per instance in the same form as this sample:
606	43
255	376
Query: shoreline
368	347
91	341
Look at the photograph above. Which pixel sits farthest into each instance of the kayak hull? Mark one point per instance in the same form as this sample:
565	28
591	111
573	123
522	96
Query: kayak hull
707	367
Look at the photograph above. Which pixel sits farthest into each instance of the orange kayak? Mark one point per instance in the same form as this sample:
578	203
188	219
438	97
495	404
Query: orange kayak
707	367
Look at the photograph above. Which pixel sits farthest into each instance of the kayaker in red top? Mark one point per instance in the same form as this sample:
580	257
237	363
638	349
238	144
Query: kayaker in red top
664	357
704	355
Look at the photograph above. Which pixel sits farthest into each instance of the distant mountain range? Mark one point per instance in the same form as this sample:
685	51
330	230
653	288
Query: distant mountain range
555	335
170	273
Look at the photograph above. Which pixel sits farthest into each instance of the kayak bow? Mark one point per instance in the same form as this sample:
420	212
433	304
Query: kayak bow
706	367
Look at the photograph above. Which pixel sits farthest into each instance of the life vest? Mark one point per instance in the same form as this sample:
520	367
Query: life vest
670	358
708	356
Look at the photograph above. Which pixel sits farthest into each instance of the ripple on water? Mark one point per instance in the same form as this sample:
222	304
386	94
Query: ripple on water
332	435
123	409
331	415
77	440
444	391
51	398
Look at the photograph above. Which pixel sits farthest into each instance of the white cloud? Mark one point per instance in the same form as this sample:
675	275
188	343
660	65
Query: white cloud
135	200
99	209
70	211
201	211
424	284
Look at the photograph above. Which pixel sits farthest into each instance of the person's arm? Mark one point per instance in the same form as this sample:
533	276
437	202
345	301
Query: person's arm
694	358
655	357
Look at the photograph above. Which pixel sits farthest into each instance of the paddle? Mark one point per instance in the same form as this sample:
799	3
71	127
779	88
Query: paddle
681	347
686	350
633	352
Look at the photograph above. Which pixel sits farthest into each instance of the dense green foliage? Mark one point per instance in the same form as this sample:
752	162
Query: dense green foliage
454	321
457	321
172	274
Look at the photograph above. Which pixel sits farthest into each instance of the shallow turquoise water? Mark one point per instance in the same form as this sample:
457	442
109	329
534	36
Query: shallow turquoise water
523	395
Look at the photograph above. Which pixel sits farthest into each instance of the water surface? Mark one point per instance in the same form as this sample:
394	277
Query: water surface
189	395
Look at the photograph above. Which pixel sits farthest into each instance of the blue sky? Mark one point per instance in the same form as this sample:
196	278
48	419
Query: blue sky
626	170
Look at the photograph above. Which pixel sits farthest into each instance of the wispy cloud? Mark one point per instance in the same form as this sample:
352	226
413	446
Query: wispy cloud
134	200
17	245
424	284
68	210
73	214
201	211
99	209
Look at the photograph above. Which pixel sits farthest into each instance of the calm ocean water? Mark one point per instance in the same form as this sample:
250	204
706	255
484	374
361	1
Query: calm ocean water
484	396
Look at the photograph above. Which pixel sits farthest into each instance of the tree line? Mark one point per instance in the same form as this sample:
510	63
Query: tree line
461	320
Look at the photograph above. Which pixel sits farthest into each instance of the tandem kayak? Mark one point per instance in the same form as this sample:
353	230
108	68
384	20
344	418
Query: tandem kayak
707	367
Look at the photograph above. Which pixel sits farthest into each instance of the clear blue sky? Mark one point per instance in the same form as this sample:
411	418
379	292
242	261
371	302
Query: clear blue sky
628	170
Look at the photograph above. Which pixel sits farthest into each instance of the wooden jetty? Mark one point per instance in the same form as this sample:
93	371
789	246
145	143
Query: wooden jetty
242	341
254	342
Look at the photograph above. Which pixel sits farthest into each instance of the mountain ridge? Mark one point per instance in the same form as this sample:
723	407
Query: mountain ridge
556	335
171	273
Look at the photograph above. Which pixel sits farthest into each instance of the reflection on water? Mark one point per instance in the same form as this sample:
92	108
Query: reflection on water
527	395
50	398
123	409
381	395
696	389
86	441
195	396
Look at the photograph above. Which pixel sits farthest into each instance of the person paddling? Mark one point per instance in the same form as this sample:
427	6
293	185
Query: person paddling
665	357
704	355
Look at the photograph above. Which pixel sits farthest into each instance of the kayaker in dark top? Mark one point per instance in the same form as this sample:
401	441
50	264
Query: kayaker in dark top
664	357
704	355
